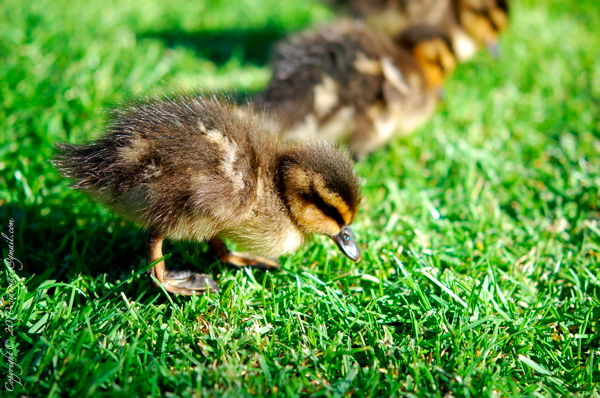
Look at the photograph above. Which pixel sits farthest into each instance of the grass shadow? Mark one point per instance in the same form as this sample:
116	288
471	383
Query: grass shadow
63	242
249	45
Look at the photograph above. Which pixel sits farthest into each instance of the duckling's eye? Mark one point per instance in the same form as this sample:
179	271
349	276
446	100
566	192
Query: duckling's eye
346	237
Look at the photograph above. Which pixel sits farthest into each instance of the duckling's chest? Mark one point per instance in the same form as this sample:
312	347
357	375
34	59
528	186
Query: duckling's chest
267	234
268	229
285	238
273	231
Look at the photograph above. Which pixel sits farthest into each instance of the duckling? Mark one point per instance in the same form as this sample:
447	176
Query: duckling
470	23
355	85
481	21
196	168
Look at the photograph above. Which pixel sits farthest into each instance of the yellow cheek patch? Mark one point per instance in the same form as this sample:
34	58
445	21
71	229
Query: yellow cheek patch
429	55
478	27
308	213
334	200
447	59
500	18
347	216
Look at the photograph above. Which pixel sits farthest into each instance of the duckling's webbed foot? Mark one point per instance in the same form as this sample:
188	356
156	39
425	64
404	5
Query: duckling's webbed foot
187	277
183	279
241	260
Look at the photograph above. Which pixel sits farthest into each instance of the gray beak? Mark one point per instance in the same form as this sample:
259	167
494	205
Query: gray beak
345	241
494	49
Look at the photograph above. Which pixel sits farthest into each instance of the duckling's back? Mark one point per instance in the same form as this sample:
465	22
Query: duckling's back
167	164
320	72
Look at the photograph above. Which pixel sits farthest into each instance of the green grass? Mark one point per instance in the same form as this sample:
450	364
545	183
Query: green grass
481	232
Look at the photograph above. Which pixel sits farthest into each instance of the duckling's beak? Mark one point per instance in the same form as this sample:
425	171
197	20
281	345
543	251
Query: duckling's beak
493	48
345	241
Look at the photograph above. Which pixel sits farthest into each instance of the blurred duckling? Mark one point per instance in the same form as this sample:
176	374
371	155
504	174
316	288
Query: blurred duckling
482	21
353	84
470	24
196	168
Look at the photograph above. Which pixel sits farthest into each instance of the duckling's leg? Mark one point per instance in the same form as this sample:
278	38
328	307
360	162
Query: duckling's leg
181	280
241	260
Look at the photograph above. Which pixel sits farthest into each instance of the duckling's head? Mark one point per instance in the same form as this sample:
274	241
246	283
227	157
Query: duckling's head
322	192
483	20
432	49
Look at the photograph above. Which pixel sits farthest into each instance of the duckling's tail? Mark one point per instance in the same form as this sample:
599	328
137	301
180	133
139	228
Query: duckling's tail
89	164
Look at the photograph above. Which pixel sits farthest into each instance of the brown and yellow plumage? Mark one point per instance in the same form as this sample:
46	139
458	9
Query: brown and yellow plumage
353	84
197	168
469	23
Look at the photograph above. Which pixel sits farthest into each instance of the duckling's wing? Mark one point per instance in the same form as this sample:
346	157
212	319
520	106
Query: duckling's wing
186	163
203	161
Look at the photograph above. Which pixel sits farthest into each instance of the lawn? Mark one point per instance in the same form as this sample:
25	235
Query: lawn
480	233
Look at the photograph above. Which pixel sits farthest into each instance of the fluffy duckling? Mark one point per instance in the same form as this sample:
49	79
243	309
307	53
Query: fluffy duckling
196	168
353	84
469	23
482	21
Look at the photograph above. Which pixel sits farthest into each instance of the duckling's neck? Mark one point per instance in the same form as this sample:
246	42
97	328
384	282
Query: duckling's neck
270	230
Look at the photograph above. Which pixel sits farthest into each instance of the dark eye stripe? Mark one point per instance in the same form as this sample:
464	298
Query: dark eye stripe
493	23
487	15
325	207
439	62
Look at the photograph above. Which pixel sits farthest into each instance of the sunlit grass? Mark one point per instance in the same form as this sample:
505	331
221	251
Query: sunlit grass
480	233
